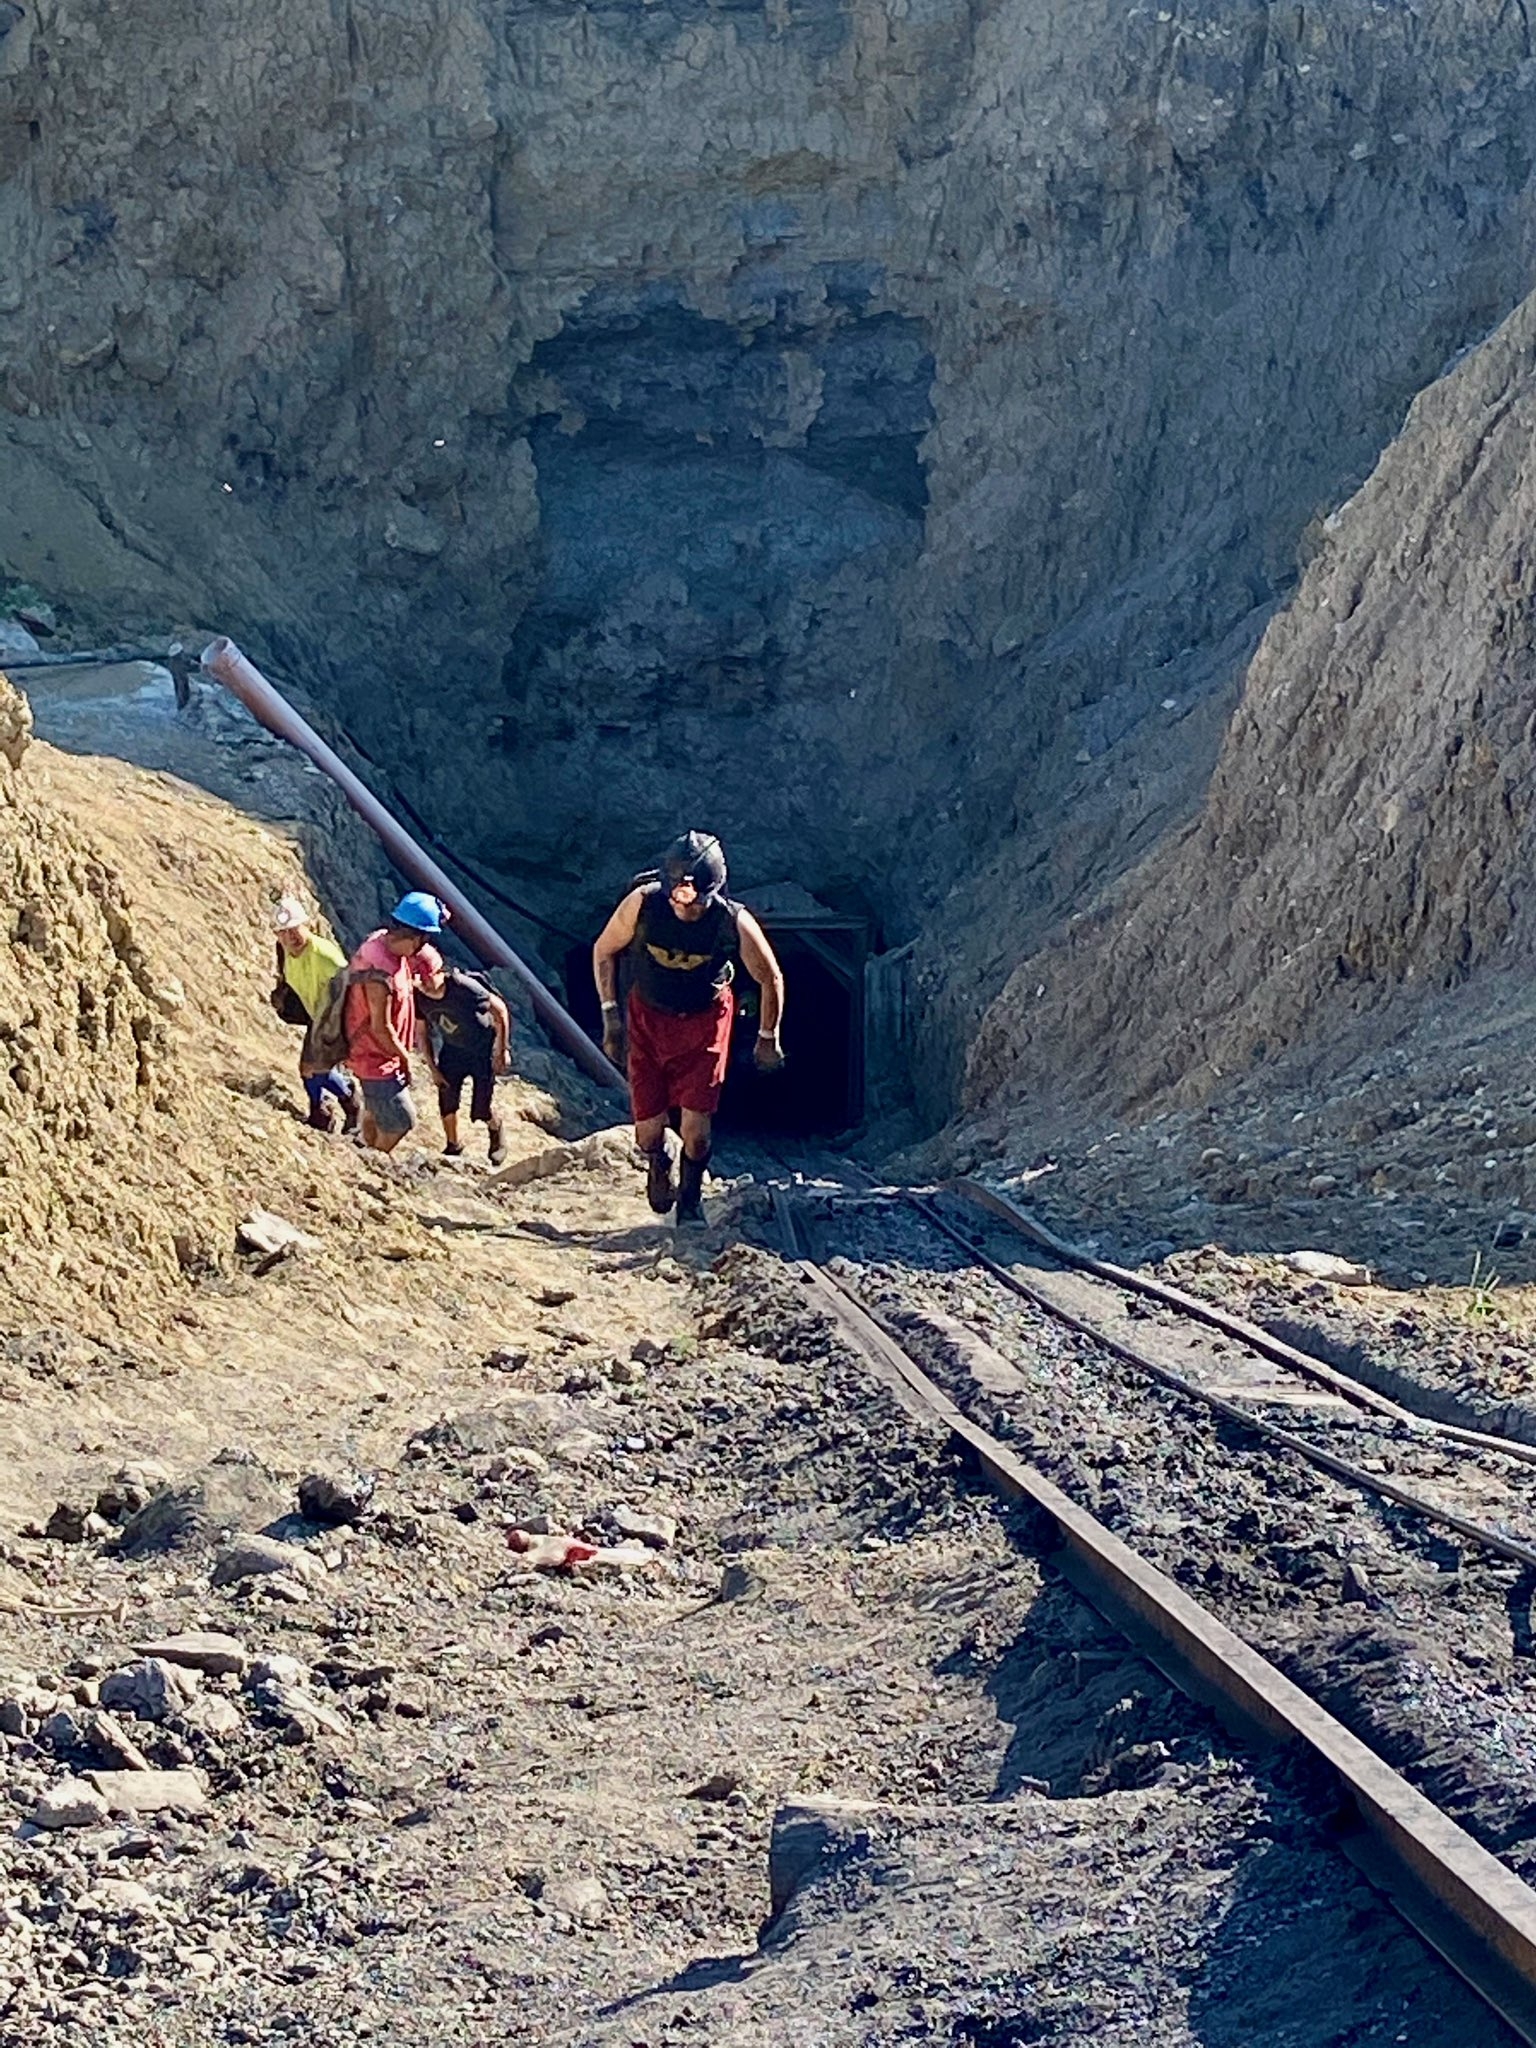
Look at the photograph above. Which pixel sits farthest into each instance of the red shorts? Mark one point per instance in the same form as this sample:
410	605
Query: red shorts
678	1062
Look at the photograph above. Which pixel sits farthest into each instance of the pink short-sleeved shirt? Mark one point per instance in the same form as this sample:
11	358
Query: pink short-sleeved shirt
367	1055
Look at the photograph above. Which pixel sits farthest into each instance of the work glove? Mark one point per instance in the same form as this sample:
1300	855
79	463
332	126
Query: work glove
613	1038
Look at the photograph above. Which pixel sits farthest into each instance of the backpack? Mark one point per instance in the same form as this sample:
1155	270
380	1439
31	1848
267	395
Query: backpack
285	998
326	1045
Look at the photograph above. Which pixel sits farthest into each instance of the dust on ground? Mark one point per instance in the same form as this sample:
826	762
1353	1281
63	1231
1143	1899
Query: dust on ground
419	1790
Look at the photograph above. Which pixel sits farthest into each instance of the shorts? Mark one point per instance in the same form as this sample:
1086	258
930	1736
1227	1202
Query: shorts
389	1103
678	1062
456	1068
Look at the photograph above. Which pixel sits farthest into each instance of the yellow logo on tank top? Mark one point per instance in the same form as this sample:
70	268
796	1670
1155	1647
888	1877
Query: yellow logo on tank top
680	963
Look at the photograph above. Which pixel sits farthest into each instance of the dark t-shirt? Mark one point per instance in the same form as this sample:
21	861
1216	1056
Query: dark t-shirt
461	1017
678	966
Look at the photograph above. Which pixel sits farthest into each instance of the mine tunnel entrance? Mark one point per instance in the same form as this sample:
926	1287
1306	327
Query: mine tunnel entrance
820	1089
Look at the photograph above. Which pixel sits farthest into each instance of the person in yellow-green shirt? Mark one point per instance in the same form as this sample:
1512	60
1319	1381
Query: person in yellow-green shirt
307	963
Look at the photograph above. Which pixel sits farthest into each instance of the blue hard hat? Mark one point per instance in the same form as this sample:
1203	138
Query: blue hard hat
419	911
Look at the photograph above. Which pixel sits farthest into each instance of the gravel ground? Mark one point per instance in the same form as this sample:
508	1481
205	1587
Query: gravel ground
1421	1645
488	1802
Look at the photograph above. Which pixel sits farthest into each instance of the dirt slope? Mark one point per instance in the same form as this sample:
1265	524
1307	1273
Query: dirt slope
149	1097
1367	829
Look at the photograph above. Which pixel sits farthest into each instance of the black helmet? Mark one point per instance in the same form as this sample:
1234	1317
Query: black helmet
696	857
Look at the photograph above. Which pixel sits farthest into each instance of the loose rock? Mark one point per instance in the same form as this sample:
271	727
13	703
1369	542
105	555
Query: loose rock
335	1498
151	1689
204	1650
1327	1266
658	1531
72	1803
249	1557
136	1792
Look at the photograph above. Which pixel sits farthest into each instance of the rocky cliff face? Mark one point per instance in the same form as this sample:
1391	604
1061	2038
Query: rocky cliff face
1369	827
883	432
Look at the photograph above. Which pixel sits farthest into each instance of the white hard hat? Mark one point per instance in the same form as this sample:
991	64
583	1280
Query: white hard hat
289	915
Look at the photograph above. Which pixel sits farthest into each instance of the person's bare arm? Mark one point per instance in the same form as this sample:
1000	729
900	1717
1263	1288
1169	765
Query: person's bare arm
501	1017
379	1021
616	936
424	1047
760	961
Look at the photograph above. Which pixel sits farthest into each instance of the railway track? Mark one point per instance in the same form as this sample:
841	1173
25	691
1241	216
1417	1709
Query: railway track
1286	1545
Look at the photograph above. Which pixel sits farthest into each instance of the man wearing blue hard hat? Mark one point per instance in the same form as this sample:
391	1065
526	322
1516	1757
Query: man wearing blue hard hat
384	974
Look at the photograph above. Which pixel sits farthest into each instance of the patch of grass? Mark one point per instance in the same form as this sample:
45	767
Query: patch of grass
1481	1288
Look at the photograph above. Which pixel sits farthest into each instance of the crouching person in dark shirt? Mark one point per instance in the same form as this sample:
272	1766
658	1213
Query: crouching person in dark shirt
467	1032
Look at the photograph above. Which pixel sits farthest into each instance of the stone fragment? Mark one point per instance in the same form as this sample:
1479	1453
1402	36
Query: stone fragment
1327	1266
580	1447
136	1792
276	1668
506	1358
612	1147
335	1498
71	1803
248	1557
214	1715
16	641
520	1458
1356	1588
284	1586
808	1835
230	1493
718	1785
261	1231
305	1716
205	1650
110	1740
414	532
582	1898
659	1531
67	1523
121	1898
129	1489
151	1689
61	1731
25	1708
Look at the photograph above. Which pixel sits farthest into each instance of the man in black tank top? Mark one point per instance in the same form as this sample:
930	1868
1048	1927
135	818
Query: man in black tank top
682	933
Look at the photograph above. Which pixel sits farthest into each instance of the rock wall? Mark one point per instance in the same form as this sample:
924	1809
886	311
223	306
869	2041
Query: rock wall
882	432
1371	823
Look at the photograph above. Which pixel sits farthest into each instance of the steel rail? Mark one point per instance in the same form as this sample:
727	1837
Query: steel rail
1273	1348
223	659
1473	1910
1479	1533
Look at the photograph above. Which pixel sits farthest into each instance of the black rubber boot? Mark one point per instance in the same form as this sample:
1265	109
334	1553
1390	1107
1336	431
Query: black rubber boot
659	1191
690	1188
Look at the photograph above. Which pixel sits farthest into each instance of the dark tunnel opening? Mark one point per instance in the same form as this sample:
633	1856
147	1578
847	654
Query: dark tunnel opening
820	1089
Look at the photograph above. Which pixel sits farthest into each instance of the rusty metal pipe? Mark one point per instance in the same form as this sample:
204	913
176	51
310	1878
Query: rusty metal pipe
266	704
